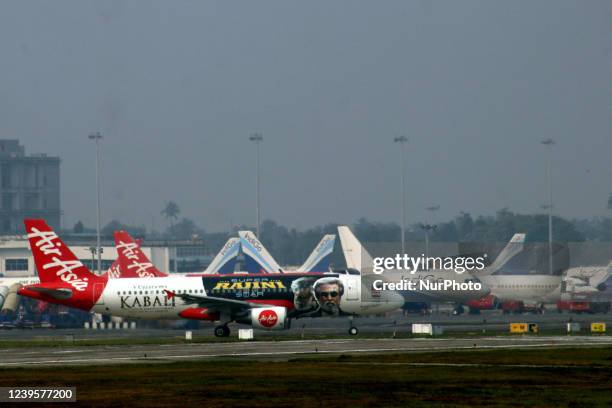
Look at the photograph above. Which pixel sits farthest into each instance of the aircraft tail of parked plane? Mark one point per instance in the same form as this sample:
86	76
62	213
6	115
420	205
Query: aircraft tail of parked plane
225	261
133	263
318	261
356	256
512	248
114	271
257	257
63	277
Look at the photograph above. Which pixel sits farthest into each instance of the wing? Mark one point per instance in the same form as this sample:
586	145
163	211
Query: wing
61	293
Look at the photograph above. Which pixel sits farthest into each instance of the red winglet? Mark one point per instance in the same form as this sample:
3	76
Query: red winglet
169	293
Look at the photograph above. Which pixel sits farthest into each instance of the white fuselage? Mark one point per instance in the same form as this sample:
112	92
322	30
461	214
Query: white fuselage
425	295
25	280
146	298
527	288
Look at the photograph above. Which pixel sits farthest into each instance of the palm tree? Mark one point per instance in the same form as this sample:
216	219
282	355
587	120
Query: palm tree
171	212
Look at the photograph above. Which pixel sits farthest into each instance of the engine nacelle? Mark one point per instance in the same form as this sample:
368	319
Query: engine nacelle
11	302
269	318
4	290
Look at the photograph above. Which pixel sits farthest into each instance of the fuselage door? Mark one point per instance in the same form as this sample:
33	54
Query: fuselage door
352	284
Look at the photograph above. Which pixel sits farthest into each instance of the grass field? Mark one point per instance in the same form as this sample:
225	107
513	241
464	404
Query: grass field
545	377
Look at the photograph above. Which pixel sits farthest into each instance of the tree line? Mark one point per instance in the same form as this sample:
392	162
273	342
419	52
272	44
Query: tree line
291	246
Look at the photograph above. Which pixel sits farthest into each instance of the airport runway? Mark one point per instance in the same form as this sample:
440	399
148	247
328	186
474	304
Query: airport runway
272	350
488	323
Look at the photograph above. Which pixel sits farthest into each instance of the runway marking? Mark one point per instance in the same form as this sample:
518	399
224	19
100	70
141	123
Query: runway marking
276	353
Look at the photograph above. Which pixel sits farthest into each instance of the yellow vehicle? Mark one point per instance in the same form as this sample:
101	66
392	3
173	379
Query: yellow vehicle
524	328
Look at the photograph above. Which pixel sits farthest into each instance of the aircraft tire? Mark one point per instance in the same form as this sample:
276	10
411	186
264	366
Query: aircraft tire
353	331
222	331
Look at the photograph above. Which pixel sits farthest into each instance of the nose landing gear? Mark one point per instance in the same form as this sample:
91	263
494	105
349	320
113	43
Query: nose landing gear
353	331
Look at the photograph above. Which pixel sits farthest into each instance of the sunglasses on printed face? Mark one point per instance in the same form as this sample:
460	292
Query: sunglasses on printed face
329	294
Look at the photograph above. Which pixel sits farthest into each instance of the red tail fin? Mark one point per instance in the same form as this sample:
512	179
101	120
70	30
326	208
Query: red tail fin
54	260
133	263
114	271
59	267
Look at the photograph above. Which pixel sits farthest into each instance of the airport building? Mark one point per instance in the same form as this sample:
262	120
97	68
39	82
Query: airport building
29	187
16	260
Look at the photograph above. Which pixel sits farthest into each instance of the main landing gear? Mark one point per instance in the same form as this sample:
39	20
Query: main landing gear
353	331
222	331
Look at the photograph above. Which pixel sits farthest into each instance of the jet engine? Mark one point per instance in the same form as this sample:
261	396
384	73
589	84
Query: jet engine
268	318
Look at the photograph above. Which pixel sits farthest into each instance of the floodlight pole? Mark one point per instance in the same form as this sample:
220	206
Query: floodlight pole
257	138
402	140
97	137
549	143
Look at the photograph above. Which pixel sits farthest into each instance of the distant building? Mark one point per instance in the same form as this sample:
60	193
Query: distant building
16	259
29	187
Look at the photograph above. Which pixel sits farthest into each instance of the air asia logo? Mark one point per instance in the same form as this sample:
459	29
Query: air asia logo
49	244
141	269
128	250
114	272
268	318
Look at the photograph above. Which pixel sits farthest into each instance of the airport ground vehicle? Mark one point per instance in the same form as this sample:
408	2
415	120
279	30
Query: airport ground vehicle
574	306
488	302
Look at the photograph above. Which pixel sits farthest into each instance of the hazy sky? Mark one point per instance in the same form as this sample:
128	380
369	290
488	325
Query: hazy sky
177	86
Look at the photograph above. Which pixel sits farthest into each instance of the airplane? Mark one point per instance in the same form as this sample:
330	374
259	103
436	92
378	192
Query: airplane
131	261
583	283
586	281
137	265
265	301
358	258
225	261
318	261
8	290
114	271
521	274
258	258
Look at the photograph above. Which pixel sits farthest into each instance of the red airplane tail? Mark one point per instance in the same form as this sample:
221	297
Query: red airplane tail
133	263
63	277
